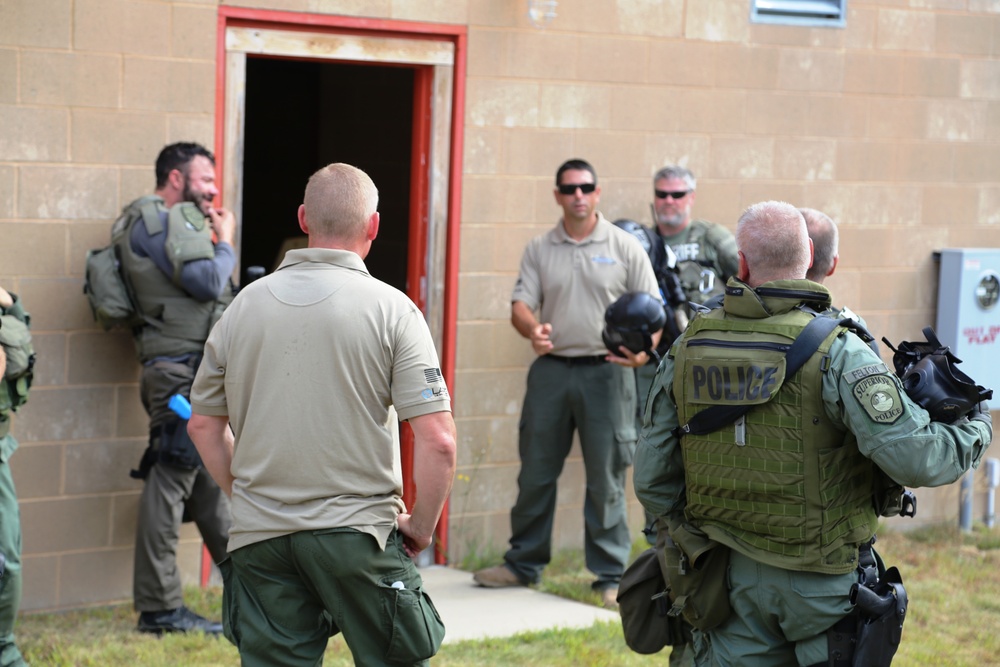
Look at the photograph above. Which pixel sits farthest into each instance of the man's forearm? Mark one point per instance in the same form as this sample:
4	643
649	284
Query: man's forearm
433	469
214	441
522	318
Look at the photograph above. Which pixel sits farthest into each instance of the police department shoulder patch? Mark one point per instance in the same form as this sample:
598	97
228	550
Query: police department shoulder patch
193	216
879	397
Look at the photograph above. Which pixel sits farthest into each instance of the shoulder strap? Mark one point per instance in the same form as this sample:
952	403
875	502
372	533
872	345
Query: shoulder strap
151	217
804	346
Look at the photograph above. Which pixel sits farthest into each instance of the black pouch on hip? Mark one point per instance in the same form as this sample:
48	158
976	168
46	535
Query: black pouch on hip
176	447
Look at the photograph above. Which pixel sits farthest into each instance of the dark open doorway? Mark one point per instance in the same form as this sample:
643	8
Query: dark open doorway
304	114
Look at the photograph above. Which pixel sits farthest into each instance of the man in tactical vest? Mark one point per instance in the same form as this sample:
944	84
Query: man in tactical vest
16	363
786	488
825	239
705	251
177	255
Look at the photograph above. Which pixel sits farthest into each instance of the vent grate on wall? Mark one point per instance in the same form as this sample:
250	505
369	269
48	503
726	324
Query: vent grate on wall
830	13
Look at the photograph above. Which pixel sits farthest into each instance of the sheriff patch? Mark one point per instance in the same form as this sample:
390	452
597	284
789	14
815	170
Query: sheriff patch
879	398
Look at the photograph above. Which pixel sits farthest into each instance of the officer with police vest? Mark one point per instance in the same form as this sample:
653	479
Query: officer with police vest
705	251
788	487
177	254
17	360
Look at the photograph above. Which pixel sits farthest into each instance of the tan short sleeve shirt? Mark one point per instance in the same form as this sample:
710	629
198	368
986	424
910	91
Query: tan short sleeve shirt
571	283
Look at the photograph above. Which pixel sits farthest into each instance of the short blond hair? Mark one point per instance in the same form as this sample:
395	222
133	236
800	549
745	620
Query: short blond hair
339	201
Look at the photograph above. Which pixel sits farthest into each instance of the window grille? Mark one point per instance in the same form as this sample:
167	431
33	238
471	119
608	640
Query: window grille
830	13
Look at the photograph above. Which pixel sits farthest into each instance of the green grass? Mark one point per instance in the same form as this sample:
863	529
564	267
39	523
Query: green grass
953	582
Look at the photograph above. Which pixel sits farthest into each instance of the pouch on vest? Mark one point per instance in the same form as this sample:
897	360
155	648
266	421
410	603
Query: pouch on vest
15	336
644	605
696	568
110	298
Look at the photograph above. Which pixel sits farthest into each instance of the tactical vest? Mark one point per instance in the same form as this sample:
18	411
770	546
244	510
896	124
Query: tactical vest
176	323
783	485
697	274
15	336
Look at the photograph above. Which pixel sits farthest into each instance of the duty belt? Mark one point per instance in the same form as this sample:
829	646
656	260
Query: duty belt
580	361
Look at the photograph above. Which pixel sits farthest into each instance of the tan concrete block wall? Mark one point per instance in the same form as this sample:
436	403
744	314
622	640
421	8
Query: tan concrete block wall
881	124
891	125
88	96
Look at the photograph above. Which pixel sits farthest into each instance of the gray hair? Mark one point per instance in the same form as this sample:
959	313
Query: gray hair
676	171
825	237
773	238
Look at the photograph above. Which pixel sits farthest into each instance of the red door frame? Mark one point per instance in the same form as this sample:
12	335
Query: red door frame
420	179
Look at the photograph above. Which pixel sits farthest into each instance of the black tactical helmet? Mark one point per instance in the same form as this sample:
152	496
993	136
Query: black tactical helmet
647	239
631	322
931	378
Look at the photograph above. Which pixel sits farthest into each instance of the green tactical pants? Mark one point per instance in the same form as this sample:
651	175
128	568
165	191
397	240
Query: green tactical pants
680	656
168	494
286	596
10	547
156	581
780	617
598	401
643	381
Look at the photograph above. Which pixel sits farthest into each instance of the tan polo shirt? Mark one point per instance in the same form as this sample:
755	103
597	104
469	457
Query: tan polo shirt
308	363
571	283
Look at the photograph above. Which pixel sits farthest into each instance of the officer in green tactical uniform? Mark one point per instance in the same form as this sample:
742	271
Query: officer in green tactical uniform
825	238
16	363
788	487
705	251
177	255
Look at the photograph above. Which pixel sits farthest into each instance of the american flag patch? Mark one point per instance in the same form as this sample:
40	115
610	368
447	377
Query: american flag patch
433	375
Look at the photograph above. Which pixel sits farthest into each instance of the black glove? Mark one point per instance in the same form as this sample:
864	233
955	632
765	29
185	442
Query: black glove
981	413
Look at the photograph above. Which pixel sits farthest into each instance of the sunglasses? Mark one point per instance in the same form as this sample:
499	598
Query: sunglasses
677	194
570	188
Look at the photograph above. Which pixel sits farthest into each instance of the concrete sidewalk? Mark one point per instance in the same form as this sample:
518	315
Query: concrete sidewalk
472	612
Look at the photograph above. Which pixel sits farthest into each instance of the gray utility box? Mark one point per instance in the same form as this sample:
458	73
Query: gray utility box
968	313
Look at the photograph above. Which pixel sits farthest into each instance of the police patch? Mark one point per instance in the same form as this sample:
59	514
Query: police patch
879	397
193	217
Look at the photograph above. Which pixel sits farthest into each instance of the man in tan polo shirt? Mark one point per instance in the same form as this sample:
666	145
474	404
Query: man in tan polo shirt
312	365
569	276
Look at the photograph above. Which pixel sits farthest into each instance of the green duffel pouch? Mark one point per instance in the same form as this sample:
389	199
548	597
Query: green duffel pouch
696	570
644	603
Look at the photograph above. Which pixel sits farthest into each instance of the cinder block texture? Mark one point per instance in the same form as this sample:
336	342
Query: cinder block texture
45	523
905	30
68	193
41	23
123	26
32	249
169	85
8	76
716	21
95	577
37	469
70	79
113	137
33	134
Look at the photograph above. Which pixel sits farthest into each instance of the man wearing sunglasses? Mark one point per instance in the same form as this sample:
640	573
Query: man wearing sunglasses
706	252
568	277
